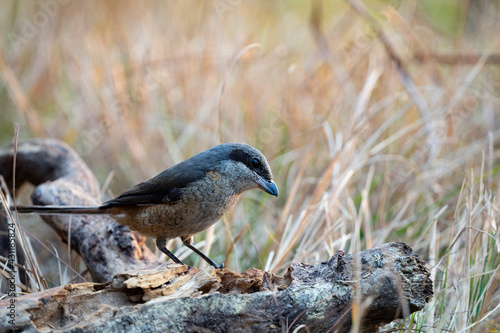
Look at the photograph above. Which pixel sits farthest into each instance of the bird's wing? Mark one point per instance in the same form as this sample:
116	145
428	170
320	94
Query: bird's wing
165	188
145	194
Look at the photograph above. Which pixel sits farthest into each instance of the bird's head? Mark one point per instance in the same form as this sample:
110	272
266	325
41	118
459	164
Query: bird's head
245	167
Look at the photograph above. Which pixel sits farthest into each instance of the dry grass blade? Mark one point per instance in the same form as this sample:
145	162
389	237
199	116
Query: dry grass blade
19	96
406	79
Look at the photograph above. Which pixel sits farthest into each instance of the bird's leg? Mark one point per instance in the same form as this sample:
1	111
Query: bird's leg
160	244
187	240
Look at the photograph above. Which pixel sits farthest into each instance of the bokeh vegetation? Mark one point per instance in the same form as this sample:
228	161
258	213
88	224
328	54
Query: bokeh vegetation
360	157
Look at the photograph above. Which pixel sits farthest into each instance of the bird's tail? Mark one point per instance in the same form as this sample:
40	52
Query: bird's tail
61	210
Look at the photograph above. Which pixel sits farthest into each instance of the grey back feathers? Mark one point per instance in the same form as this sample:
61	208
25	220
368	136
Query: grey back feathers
167	186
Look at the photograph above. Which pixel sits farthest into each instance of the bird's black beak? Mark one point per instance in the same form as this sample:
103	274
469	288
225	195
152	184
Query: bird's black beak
268	186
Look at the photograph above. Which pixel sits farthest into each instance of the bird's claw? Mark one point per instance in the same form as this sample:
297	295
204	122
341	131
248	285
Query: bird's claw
221	266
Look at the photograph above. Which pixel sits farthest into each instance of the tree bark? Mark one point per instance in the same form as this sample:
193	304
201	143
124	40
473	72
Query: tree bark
381	284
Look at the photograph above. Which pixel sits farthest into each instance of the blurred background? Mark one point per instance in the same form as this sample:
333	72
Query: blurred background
379	120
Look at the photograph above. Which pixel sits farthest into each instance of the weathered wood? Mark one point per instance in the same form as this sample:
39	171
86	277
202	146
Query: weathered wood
386	282
62	178
391	283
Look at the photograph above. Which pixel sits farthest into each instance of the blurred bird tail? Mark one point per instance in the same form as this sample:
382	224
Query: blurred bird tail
61	210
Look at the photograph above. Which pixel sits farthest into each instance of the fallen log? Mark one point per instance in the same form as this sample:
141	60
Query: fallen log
135	292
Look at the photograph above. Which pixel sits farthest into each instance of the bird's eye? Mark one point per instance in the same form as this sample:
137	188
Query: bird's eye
256	163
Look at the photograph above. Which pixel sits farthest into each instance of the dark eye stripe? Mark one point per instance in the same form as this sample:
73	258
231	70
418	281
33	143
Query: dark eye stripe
245	158
240	156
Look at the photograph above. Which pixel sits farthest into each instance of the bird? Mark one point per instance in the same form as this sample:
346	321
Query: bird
185	199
